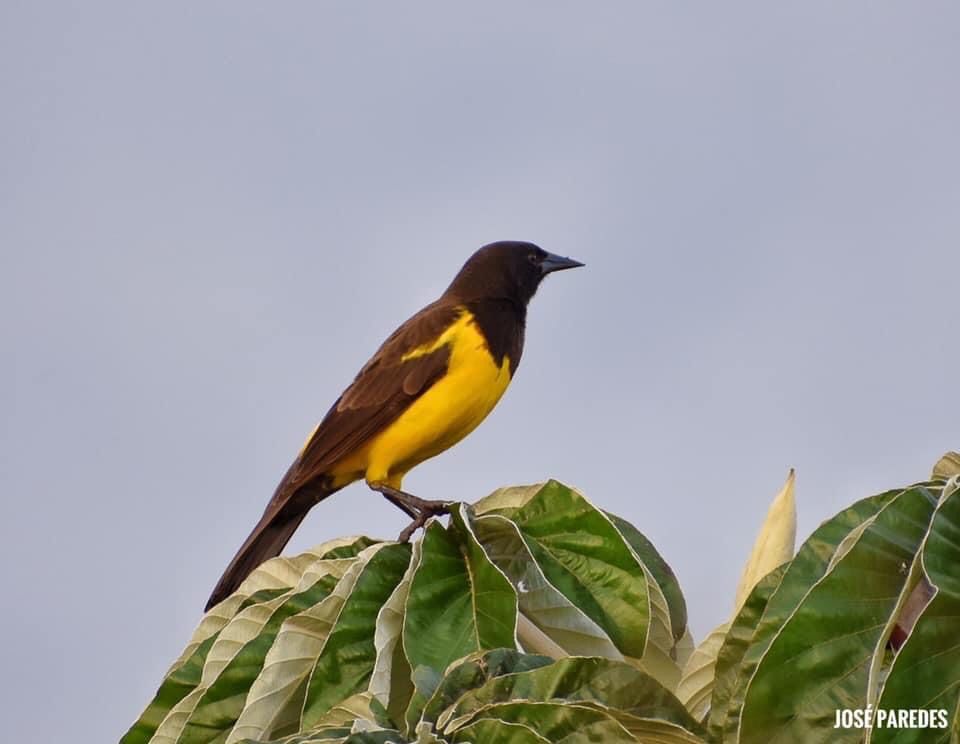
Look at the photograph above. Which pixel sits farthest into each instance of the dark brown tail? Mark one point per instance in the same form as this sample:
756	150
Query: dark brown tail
280	520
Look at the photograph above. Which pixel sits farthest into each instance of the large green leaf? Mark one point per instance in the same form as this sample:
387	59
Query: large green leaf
925	673
613	684
661	571
275	701
340	735
178	683
773	547
736	640
473	672
553	721
582	554
254	631
806	568
559	615
819	660
239	633
656	730
659	658
459	602
278	574
360	711
566	625
346	663
501	732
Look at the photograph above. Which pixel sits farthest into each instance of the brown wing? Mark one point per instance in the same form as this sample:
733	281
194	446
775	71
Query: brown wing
384	388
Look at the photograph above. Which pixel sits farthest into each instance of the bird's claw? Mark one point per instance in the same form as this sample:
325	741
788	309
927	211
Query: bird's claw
428	509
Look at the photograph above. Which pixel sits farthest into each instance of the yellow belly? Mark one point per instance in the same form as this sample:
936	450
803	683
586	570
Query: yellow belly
442	416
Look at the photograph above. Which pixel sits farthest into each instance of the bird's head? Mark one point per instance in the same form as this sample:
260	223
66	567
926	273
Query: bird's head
508	269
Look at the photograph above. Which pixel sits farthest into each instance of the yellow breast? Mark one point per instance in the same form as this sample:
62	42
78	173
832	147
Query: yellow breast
448	411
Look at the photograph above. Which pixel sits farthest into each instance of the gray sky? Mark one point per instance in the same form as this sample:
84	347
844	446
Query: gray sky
211	215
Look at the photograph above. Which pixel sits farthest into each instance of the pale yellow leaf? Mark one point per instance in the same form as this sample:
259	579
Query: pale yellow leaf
947	466
696	683
775	544
510	497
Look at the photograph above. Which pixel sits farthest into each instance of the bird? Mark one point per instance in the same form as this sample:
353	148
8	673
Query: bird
427	387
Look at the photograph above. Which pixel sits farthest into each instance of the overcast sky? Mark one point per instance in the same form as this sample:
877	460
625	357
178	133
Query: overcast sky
212	213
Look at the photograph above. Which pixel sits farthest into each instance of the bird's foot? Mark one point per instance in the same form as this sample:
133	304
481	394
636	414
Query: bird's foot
419	510
421	520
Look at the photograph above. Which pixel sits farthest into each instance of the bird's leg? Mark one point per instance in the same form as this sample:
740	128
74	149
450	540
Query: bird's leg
420	510
412	513
407	501
419	521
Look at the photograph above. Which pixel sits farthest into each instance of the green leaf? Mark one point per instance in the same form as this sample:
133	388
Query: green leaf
806	568
276	697
555	722
494	599
582	554
773	547
185	675
346	663
278	575
661	571
459	603
659	655
178	683
243	645
474	671
334	735
613	684
340	735
501	732
243	627
819	661
343	547
924	673
539	601
361	711
653	729
736	641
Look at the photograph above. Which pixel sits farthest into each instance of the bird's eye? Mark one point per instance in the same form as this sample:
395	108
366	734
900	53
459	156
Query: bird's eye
533	258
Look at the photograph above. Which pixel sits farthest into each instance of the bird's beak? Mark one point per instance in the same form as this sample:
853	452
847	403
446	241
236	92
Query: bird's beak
557	263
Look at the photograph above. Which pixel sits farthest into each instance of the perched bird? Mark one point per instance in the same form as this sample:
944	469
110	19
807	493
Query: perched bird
428	386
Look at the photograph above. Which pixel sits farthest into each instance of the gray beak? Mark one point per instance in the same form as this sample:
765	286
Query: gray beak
557	263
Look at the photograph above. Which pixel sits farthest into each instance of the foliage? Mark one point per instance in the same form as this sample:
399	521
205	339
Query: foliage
533	616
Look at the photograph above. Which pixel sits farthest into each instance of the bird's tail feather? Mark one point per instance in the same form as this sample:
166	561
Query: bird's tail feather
280	520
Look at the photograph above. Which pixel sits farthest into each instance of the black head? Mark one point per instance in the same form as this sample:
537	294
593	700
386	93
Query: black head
508	269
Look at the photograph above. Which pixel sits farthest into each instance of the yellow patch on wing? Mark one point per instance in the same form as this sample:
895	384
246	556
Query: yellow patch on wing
464	319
